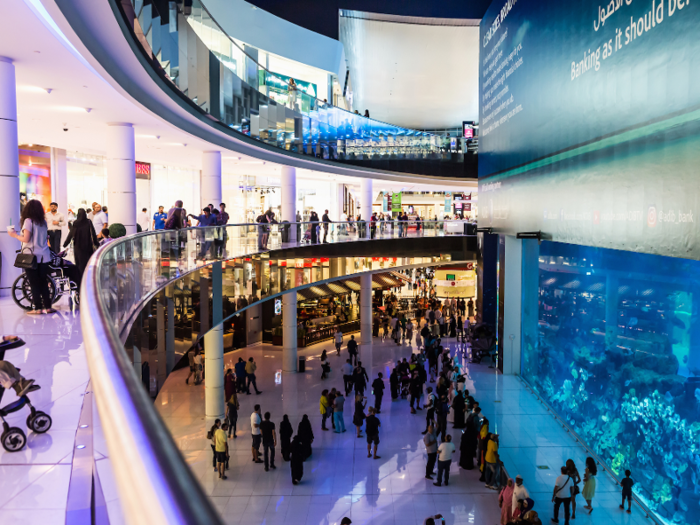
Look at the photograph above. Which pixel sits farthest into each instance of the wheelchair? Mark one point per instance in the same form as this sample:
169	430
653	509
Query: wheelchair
62	280
14	439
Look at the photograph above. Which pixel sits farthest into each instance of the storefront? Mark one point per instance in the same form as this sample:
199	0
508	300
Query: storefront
455	282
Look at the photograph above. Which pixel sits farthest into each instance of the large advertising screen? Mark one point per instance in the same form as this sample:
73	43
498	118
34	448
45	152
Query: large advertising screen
590	122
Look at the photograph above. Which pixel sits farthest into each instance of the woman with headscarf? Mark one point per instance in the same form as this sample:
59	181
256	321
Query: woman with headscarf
505	502
394	384
306	435
298	454
358	418
84	241
286	432
314	227
458	410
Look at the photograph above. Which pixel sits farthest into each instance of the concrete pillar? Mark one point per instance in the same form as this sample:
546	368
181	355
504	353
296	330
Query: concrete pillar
211	178
366	343
289	199
121	175
170	330
289	332
9	174
366	202
215	404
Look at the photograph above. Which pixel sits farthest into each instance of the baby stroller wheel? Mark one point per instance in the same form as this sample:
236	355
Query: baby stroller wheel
40	422
13	439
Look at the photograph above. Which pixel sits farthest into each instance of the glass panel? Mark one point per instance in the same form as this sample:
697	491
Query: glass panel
615	351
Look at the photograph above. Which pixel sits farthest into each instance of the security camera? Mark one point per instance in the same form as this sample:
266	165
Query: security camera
65	129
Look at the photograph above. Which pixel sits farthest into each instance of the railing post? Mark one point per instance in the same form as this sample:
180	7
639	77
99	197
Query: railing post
170	330
289	332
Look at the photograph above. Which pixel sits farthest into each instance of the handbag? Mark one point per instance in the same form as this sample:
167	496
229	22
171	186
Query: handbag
26	261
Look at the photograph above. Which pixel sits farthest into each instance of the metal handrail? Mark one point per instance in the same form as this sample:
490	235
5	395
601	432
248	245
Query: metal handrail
154	482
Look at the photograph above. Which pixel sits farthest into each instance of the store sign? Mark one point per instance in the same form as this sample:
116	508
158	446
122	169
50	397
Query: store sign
448	202
467	206
468	127
465	283
281	82
143	170
396	202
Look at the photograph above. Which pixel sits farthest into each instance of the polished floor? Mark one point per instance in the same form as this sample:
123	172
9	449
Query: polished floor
34	482
339	480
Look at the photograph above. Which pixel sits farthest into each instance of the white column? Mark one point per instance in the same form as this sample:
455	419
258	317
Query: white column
121	175
214	403
366	199
211	178
289	332
9	174
59	179
366	343
289	202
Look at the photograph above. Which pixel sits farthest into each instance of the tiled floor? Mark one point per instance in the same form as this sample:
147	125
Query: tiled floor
34	482
339	479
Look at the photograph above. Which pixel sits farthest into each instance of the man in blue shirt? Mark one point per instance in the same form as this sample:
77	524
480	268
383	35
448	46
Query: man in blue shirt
159	219
204	220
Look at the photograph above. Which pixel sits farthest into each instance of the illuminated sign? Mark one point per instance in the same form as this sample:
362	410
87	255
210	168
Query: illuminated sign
143	170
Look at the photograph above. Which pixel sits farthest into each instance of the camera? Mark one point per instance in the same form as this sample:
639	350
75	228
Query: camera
65	129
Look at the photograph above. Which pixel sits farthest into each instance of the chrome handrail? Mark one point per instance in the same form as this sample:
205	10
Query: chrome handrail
154	482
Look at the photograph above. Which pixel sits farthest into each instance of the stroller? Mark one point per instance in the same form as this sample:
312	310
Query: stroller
405	386
13	438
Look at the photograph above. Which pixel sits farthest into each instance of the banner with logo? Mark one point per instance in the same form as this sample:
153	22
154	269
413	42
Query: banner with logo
396	202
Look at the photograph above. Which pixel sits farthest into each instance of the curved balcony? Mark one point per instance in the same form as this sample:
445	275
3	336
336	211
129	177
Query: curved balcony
153	483
188	49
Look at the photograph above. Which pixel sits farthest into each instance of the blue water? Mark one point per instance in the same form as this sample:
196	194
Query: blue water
617	354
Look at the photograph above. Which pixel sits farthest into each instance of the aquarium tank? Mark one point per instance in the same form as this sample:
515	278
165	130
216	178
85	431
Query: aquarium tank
616	352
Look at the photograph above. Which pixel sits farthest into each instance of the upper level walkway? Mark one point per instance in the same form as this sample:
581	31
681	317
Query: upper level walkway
176	61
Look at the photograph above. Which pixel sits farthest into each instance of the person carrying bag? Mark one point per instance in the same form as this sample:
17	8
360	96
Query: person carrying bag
562	487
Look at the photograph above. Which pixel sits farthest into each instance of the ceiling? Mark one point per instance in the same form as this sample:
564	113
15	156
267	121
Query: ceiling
415	72
64	103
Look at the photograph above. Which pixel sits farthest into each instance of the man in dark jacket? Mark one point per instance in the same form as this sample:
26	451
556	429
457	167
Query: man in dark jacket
378	388
415	389
352	349
240	375
326	222
360	378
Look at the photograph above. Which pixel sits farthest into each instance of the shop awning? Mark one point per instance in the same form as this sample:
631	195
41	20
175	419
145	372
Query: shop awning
379	281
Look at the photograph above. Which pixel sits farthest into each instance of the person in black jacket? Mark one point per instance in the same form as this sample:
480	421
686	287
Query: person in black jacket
84	240
378	388
352	349
314	227
326	223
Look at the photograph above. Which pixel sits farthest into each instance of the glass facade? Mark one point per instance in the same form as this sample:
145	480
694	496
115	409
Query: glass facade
614	350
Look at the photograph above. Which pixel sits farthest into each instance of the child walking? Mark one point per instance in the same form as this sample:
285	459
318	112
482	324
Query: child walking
627	484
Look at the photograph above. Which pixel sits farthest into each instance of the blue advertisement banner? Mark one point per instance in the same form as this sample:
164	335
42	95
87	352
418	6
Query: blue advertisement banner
590	122
556	75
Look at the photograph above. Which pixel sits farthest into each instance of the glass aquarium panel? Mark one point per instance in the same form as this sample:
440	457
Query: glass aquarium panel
616	353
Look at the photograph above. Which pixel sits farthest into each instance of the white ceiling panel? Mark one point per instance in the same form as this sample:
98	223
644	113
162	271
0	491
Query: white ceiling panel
414	72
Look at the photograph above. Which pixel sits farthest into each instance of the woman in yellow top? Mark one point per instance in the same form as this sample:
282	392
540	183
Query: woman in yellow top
481	448
324	404
491	458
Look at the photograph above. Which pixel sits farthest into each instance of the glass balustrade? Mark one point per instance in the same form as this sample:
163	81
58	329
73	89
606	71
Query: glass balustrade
215	73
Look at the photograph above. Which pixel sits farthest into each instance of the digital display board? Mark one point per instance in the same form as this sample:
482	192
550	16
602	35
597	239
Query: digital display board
589	125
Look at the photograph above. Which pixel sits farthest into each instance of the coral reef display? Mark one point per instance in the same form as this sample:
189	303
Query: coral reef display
616	352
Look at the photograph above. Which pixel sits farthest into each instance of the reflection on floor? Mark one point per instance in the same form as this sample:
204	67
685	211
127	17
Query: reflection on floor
34	482
339	479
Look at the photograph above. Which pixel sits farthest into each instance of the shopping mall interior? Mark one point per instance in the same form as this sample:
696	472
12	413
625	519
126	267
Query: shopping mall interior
340	261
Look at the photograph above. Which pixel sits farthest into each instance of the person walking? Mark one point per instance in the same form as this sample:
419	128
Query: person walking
338	336
562	495
297	457
269	442
211	436
416	391
232	407
306	434
347	376
255	421
143	220
360	378
589	483
445	451
430	409
491	462
627	485
54	222
431	448
338	407
378	390
519	492
84	241
352	349
372	425
313	226
34	239
323	405
250	369
99	218
575	479
359	416
286	432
